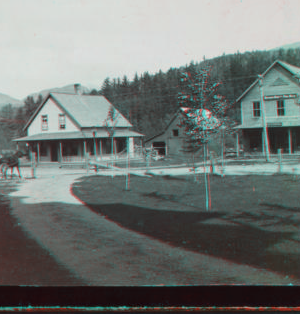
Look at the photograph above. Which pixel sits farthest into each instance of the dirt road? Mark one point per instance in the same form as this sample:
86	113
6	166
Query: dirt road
100	252
22	260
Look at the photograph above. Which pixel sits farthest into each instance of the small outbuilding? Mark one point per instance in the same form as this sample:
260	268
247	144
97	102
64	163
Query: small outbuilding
171	140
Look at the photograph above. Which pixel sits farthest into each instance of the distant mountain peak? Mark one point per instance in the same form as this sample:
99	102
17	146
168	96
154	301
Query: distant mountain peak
69	89
6	100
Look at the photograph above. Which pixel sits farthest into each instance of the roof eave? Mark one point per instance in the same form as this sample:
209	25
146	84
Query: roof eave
57	102
279	62
166	128
151	138
36	112
65	111
73	135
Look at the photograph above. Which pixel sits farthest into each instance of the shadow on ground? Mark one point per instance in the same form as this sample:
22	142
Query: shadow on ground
23	261
236	242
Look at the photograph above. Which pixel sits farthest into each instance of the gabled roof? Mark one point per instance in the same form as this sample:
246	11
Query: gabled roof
77	135
166	128
83	110
295	71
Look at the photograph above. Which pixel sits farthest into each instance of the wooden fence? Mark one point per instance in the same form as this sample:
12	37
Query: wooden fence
273	157
137	153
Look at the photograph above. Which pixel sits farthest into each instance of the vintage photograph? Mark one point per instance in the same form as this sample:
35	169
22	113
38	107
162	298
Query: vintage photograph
149	143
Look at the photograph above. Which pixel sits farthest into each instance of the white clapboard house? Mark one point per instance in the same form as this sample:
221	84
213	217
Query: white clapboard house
281	97
67	127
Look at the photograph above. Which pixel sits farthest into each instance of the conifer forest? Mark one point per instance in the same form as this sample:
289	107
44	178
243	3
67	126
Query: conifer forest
149	101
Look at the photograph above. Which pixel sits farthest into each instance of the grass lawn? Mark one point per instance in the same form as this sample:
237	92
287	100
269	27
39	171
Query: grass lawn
254	220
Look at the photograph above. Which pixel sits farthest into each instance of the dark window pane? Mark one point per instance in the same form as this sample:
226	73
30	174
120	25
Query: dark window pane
280	108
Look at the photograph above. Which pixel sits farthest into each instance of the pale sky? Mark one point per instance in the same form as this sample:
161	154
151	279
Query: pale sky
52	43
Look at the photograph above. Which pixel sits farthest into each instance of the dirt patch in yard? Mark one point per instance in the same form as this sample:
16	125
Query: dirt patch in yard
239	228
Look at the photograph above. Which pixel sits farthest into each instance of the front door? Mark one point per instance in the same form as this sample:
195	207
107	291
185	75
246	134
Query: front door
54	151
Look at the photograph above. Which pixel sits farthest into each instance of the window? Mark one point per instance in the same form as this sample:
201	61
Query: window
62	121
256	109
175	132
280	107
44	122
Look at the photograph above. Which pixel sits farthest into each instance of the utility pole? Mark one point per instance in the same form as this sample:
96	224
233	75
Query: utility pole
266	139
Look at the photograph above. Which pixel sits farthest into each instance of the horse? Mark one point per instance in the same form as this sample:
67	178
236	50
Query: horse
10	161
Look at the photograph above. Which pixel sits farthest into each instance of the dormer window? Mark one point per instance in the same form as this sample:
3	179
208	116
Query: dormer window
45	122
62	121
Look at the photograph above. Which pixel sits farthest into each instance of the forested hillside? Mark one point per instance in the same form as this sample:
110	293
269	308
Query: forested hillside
150	100
13	120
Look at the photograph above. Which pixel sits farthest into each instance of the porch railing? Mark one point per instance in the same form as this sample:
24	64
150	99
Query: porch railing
273	157
137	153
73	159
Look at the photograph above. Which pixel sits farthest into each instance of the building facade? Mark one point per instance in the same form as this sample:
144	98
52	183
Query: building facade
171	140
67	127
174	140
280	92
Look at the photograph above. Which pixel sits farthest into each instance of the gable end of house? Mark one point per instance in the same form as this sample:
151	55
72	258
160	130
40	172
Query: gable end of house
292	70
50	101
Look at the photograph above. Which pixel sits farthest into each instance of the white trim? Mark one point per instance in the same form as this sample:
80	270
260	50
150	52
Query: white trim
281	63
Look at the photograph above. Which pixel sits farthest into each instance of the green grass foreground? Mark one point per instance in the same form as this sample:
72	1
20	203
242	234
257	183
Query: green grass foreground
254	220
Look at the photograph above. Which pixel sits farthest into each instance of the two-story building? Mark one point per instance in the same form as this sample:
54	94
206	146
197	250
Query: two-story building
280	93
65	127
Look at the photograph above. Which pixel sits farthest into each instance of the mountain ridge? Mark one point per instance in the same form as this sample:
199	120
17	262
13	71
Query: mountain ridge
294	45
6	100
64	89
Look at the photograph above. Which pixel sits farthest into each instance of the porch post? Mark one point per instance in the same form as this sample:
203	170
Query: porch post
38	152
60	152
17	145
115	147
100	144
129	152
95	147
263	143
29	151
84	148
237	145
290	140
112	148
33	164
95	143
131	146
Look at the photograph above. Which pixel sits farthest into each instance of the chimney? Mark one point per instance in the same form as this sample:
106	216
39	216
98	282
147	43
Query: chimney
77	88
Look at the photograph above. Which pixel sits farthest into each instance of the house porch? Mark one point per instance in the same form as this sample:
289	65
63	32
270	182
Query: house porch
77	150
286	138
